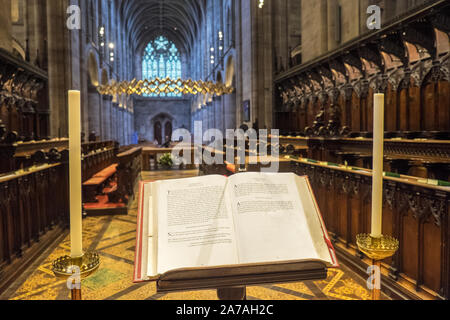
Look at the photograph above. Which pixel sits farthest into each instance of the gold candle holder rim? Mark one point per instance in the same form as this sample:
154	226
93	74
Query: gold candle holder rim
377	248
88	263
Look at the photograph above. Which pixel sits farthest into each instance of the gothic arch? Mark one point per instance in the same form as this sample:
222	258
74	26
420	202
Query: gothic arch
105	77
93	69
219	78
230	71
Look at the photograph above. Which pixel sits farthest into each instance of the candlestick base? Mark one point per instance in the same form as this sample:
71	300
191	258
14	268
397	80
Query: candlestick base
377	249
88	264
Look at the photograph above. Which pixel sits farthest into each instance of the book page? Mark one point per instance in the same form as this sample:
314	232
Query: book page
195	227
315	222
269	219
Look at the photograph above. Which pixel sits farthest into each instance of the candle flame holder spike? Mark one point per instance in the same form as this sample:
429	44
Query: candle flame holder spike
377	249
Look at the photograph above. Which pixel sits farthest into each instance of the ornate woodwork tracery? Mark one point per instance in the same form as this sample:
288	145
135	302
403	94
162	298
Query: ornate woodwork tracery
411	54
23	99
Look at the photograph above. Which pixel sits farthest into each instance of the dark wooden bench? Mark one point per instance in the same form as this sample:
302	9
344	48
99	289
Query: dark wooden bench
95	185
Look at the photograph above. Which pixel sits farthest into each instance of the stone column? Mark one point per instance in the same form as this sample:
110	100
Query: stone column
218	113
230	111
314	20
210	109
333	24
204	118
5	25
94	112
115	122
122	127
106	117
57	66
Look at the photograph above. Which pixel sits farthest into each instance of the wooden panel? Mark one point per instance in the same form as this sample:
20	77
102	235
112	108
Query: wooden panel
432	256
403	109
14	120
444	105
311	112
414	109
356	113
356	220
4	114
341	213
409	245
326	105
368	125
429	112
302	121
391	112
388	223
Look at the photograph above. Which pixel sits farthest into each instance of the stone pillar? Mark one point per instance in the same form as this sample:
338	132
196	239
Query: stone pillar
94	112
5	25
106	117
122	127
218	113
115	122
204	114
210	108
314	13
333	24
230	111
57	67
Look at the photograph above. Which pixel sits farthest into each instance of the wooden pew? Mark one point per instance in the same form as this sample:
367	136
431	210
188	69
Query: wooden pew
114	186
415	212
33	214
95	185
427	158
128	172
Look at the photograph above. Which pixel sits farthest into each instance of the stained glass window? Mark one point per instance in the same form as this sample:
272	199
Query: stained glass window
161	59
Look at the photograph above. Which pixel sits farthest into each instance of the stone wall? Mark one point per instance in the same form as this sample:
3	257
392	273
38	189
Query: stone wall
149	110
321	22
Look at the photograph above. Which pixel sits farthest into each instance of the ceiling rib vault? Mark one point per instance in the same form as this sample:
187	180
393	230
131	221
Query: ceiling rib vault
178	20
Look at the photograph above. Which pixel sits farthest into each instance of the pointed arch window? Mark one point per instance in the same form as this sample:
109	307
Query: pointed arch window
161	59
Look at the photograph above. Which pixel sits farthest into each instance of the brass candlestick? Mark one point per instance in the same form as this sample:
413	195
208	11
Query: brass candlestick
377	249
87	264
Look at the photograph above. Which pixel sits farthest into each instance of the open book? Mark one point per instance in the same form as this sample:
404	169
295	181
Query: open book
241	226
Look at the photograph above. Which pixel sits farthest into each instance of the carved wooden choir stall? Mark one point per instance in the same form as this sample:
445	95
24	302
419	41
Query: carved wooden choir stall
34	181
326	105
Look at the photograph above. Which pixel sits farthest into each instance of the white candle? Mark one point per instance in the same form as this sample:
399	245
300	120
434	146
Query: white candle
378	151
75	174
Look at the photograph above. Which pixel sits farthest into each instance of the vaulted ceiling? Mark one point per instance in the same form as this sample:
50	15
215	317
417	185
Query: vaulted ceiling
178	20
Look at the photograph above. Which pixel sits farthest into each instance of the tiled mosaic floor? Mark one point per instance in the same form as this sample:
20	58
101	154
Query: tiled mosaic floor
114	239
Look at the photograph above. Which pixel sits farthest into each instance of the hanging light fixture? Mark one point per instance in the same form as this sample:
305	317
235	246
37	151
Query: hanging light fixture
165	86
261	4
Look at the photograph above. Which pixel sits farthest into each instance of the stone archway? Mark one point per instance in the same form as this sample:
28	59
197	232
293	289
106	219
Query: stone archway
93	69
162	127
230	109
157	128
230	71
168	130
105	77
